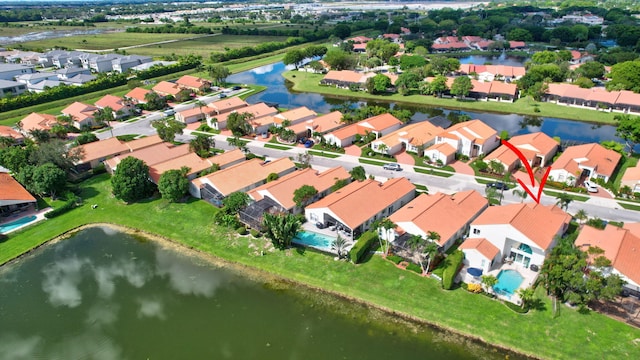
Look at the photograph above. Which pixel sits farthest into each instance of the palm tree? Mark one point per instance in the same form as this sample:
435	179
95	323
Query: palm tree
526	295
493	196
489	281
581	215
340	247
200	104
281	229
387	225
430	250
563	201
521	193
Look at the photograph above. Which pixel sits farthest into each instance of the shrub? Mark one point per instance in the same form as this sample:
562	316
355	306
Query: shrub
415	268
394	259
68	205
241	230
449	275
362	246
517	308
474	288
255	233
204	127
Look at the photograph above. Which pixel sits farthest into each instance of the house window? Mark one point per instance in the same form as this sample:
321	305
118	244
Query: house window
313	217
476	231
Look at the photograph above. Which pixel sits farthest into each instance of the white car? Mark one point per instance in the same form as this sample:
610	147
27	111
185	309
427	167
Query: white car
591	187
394	167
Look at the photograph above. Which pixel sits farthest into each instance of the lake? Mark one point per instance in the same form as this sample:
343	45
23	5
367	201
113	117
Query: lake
102	294
279	92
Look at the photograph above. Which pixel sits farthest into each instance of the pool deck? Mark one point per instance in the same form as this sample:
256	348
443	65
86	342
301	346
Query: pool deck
309	227
38	214
528	275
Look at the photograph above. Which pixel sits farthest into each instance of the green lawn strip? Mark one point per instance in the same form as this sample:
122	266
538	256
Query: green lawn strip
105	41
366	152
370	162
431	171
629	206
276	146
483	181
323	154
421	187
625	162
571	335
572	196
308	82
420	162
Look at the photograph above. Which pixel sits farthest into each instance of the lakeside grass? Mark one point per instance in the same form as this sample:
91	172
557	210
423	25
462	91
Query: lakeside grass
570	335
308	82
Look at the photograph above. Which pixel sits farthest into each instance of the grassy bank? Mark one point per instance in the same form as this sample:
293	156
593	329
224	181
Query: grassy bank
568	336
308	82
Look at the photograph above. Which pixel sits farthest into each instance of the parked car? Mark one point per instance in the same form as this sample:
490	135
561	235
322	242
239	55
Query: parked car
591	186
498	185
222	96
308	143
169	112
394	167
236	87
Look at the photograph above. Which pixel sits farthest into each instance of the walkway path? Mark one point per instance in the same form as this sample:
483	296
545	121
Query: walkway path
353	150
404	158
462	168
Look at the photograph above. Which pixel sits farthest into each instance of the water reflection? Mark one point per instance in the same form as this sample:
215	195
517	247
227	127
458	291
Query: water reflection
185	276
151	308
62	280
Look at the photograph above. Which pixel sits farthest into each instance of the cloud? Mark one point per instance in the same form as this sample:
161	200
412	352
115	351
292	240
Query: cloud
136	273
263	69
87	345
151	308
185	276
102	314
61	282
12	347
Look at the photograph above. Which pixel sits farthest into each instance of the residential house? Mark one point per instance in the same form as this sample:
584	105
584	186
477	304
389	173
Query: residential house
192	161
9	132
493	72
11	88
359	39
628	102
150	64
515	45
13	196
621	246
195	84
192	115
392	37
346	78
151	155
355	207
137	95
244	176
81	114
124	63
36	121
79	79
120	107
295	116
447	215
165	88
103	63
538	148
95	153
227	105
631	178
379	125
10	71
480	253
523	233
442	153
68	73
470	138
582	162
219	122
319	125
36	77
412	138
596	98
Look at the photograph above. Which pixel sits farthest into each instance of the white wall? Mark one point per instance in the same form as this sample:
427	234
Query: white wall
473	258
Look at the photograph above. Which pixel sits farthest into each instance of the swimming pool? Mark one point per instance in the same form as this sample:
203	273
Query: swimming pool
5	228
315	240
508	282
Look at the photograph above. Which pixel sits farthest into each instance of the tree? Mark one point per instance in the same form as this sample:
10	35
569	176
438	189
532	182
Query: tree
130	181
431	249
442	65
526	295
521	193
496	167
281	229
272	177
48	179
40	136
303	194
154	101
461	86
168	129
104	116
407	81
15	158
358	173
489	281
218	73
438	85
591	70
56	152
293	57
493	196
625	76
387	226
173	184
183	95
584	82
202	145
564	200
378	84
85	138
235	202
339	60
339	184
629	130
239	124
581	215
342	31
340	247
519	34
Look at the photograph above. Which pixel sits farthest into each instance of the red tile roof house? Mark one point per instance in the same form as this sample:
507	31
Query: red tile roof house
628	102
9	132
442	152
219	122
493	72
479	253
197	113
195	84
227	105
345	78
151	155
356	206
137	95
621	246
195	164
97	152
82	114
244	176
13	197
295	116
631	178
537	147
120	106
36	121
165	88
448	215
379	125
282	190
583	162
470	138
412	138
321	125
526	233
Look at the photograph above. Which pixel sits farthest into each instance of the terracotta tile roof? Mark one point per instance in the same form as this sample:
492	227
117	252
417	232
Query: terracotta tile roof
603	96
504	155
538	142
258	110
102	149
228	157
628	98
416	134
537	222
575	54
246	174
294	115
348	131
190	160
499	87
360	39
326	123
166	88
474	130
482	245
380	122
444	148
391	36
620	245
80	111
196	111
375	195
504	70
591	155
483	87
151	155
11	192
227	104
114	102
347	76
36	121
633	227
632	174
8	131
442	213
192	82
282	190
143	142
517	44
137	94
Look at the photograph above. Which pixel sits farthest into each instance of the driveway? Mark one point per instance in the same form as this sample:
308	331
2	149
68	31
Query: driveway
353	150
462	168
404	158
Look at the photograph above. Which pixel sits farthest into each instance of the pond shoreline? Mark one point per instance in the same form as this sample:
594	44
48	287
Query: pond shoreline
262	275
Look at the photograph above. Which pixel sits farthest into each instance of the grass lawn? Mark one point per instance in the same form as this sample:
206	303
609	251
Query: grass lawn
629	206
323	154
105	41
571	335
366	152
276	146
204	46
626	162
309	82
370	162
573	197
432	171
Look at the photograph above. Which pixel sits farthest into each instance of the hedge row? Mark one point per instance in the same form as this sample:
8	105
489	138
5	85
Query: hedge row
362	246
68	205
449	274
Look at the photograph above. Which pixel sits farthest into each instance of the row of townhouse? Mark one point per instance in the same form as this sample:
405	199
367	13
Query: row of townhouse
468	43
484	90
596	98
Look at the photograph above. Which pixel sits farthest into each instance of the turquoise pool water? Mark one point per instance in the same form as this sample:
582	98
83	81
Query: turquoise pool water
5	228
316	240
508	282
